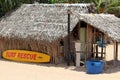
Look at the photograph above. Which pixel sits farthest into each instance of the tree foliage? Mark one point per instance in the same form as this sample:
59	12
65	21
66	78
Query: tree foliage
114	8
111	6
8	5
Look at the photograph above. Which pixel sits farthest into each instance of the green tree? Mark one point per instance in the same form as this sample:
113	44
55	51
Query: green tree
110	6
114	7
8	5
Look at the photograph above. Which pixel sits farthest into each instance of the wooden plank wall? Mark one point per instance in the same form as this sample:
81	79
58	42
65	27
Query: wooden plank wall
31	45
89	41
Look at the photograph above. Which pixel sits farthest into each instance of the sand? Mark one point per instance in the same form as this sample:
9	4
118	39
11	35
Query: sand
10	70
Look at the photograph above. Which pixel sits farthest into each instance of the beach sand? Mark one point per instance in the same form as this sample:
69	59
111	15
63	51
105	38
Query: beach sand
10	70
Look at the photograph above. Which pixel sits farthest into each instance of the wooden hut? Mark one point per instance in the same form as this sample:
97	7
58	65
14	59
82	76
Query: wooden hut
43	28
100	29
39	27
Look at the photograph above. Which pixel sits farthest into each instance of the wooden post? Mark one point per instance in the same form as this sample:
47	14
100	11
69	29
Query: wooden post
105	64
96	51
69	52
116	58
115	52
102	46
86	56
94	36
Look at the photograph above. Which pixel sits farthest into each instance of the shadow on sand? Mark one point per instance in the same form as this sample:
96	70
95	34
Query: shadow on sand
110	68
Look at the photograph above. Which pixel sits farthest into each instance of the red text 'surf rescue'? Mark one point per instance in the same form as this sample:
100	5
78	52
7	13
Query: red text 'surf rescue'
26	56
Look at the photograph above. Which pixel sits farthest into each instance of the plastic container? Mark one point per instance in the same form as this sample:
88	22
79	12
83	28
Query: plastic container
94	66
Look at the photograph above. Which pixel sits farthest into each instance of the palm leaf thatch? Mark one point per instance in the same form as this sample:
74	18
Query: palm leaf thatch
40	21
106	23
38	27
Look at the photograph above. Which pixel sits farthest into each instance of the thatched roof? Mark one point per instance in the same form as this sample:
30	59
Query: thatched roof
109	24
49	21
40	21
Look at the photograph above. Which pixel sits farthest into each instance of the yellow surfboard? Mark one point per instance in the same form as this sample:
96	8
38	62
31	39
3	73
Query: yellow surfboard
25	56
